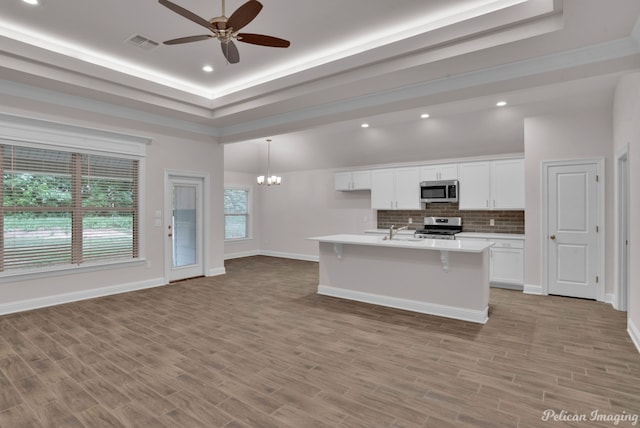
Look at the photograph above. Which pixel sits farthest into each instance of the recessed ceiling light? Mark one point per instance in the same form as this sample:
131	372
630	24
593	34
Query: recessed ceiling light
501	103
365	125
424	115
32	2
207	68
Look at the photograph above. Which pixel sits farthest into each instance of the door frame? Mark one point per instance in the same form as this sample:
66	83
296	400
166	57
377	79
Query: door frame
206	216
600	210
621	226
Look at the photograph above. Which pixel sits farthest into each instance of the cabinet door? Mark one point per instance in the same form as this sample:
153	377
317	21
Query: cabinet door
507	266
439	172
382	189
429	173
448	171
475	185
407	189
343	180
507	184
361	180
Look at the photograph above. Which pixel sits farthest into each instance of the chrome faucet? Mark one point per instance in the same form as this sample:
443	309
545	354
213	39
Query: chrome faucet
393	231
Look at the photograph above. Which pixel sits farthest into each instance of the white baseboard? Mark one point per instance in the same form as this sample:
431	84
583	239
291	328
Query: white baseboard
268	253
409	305
611	299
217	271
241	254
305	257
506	286
532	289
41	302
634	333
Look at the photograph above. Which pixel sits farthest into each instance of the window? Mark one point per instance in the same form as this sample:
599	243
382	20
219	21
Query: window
66	208
236	213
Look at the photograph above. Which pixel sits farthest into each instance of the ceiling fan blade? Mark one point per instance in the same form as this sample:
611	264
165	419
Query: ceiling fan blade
188	39
186	13
230	52
244	15
262	40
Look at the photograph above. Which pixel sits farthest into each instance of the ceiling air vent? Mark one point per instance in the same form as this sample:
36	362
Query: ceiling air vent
142	42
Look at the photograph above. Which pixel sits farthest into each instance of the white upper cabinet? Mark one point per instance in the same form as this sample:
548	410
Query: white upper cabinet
439	172
495	185
507	184
395	189
353	180
383	184
474	191
407	189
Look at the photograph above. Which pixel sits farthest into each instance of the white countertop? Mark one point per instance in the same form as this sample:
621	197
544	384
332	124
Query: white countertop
486	235
467	246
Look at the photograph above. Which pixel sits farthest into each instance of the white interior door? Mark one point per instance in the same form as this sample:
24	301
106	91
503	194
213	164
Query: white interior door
572	240
184	228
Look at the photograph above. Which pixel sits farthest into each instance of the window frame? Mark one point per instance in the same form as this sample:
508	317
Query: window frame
248	215
35	133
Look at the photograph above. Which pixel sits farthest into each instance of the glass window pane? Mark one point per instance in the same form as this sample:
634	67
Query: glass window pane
184	225
236	201
36	239
107	182
107	235
66	208
235	226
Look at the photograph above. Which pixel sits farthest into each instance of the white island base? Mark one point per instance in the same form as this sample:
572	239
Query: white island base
437	277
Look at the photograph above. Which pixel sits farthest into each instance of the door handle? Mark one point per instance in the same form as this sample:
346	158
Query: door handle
552	237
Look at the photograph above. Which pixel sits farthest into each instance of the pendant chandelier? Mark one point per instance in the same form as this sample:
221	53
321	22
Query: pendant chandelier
269	179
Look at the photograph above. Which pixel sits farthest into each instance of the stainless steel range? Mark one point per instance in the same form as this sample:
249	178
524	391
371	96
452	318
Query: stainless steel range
440	228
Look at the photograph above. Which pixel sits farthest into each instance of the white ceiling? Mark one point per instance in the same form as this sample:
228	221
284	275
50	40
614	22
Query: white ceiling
349	61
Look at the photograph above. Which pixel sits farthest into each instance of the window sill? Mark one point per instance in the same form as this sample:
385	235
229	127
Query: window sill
27	275
233	240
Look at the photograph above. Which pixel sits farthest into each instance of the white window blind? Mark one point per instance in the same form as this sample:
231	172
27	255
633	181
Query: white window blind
63	208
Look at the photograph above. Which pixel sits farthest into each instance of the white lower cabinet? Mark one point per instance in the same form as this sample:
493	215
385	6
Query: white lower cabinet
506	262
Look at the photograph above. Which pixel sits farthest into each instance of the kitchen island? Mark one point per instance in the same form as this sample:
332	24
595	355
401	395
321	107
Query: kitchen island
447	278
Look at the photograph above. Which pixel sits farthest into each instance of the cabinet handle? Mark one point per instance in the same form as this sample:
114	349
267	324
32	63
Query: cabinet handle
552	237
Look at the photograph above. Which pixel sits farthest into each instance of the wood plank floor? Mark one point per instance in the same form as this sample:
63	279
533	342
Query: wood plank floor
258	348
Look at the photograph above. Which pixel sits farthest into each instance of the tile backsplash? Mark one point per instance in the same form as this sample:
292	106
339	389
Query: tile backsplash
472	221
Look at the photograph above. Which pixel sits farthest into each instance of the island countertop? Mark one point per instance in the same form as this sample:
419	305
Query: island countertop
464	246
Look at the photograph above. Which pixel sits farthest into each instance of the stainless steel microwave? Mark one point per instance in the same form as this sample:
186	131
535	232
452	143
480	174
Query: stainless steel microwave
439	191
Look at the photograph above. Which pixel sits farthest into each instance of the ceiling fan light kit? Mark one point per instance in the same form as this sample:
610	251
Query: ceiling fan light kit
226	29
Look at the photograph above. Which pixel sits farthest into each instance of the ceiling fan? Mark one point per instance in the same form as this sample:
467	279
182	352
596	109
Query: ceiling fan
226	29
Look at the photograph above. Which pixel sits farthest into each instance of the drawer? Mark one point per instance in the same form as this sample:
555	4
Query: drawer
464	238
508	243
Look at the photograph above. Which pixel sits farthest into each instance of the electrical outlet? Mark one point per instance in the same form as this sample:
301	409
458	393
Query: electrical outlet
410	221
492	222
